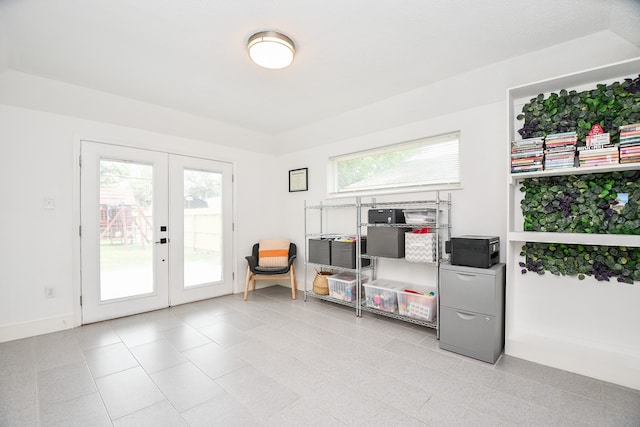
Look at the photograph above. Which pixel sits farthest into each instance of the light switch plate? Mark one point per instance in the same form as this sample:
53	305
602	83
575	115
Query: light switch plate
49	203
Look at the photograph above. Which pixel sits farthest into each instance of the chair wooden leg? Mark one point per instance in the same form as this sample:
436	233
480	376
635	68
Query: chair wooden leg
294	285
246	285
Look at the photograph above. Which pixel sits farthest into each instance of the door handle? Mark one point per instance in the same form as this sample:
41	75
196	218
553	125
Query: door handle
163	241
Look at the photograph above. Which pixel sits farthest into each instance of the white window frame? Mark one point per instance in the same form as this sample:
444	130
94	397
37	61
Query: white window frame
427	184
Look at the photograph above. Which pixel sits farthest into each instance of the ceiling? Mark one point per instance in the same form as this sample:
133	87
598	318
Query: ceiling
190	55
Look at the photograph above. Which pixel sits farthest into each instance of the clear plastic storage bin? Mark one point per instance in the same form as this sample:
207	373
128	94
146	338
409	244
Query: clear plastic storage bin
382	294
419	305
343	286
420	216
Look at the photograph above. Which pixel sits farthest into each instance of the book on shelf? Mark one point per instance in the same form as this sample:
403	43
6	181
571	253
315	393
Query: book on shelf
630	160
630	127
630	143
630	150
528	141
562	134
592	149
527	155
560	150
531	153
629	133
522	169
560	143
600	160
527	161
527	145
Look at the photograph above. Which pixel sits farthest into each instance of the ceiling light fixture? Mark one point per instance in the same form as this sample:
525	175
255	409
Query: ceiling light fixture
270	49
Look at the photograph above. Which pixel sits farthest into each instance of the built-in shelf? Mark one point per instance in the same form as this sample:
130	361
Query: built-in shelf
514	177
575	238
551	320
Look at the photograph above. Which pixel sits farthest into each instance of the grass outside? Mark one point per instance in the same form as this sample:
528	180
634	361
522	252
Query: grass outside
119	257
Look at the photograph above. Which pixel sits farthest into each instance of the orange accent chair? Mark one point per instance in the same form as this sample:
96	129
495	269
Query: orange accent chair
255	272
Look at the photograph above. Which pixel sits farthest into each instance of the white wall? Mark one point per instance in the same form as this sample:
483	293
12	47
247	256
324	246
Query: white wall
38	93
478	87
476	209
39	247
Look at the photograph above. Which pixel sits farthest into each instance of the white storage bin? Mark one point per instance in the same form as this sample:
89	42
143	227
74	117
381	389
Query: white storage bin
420	247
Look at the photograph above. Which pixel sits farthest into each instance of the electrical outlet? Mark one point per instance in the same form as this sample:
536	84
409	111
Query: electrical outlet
50	292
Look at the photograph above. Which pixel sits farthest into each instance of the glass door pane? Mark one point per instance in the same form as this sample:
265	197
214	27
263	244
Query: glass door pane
202	227
126	229
124	236
200	224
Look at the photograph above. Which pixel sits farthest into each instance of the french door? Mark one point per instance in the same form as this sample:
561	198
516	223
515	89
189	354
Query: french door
156	230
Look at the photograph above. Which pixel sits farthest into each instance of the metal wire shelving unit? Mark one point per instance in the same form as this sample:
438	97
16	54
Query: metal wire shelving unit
441	226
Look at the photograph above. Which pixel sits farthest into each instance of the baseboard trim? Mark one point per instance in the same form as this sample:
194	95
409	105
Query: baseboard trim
615	365
18	331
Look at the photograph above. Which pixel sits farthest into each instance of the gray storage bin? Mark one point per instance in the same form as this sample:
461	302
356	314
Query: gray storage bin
386	241
343	254
320	251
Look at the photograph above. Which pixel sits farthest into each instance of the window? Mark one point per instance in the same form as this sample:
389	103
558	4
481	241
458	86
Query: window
429	162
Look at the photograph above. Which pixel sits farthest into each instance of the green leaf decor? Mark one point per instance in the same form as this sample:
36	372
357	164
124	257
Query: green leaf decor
602	203
609	105
606	203
601	262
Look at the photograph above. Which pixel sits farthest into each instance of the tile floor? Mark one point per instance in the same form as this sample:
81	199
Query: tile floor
272	361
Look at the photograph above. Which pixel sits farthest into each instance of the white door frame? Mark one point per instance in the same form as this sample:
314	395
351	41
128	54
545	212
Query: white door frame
76	220
96	309
177	293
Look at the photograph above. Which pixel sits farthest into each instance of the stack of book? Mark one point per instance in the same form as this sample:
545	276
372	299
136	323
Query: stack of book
560	150
630	143
526	155
598	151
598	156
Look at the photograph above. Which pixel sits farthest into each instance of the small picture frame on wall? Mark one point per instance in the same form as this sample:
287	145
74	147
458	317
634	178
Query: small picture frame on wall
298	180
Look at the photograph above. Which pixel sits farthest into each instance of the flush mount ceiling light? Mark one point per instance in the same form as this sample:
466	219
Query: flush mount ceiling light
270	49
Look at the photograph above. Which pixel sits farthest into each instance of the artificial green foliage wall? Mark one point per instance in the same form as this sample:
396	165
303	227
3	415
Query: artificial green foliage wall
601	262
610	105
583	203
